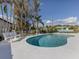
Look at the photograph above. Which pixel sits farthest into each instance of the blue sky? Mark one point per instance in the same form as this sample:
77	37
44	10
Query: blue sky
59	9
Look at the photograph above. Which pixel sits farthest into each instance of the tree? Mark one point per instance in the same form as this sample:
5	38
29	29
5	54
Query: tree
38	20
11	15
21	10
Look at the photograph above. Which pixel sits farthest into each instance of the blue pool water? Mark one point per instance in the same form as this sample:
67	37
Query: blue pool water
50	40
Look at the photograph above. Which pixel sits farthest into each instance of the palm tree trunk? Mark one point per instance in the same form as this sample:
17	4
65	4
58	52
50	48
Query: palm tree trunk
8	20
11	11
21	12
37	28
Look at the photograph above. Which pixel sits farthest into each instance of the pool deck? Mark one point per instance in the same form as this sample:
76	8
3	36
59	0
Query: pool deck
22	50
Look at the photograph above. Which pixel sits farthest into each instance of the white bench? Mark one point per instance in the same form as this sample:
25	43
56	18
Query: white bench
11	36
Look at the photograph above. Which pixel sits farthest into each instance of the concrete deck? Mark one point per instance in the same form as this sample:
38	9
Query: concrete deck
5	50
22	50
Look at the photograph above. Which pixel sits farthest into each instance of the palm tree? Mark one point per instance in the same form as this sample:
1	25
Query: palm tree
22	12
38	20
17	12
12	14
36	5
10	2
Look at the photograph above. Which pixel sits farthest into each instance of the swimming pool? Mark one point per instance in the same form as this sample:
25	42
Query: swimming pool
49	40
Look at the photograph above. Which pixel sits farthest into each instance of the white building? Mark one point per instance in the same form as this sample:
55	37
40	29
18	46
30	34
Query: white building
5	26
6	17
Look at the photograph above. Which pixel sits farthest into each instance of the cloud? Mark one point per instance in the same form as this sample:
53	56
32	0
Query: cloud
48	21
65	21
71	20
